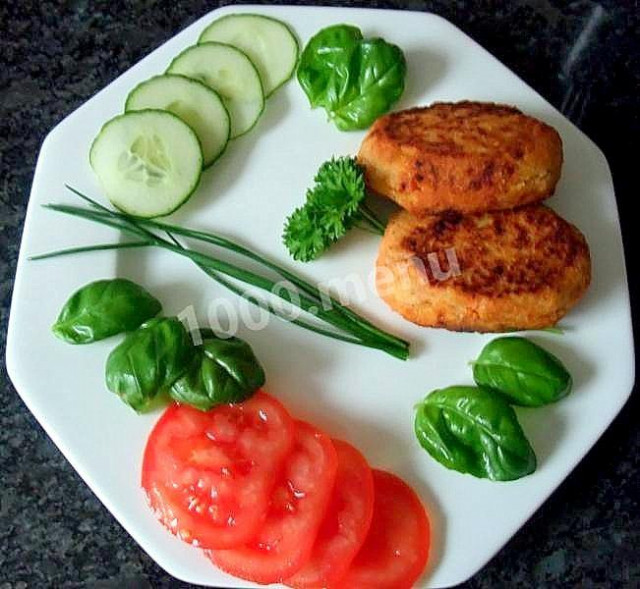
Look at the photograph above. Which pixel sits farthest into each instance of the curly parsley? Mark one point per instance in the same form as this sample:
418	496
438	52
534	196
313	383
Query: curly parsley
334	205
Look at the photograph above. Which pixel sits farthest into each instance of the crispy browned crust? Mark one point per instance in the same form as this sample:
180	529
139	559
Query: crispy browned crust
516	269
464	156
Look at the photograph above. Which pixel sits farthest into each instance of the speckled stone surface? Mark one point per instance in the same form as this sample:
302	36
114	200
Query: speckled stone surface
583	56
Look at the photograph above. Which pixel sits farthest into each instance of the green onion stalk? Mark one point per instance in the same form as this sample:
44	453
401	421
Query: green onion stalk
336	320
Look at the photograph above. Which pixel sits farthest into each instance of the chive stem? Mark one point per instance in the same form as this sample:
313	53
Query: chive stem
321	299
372	218
90	248
309	298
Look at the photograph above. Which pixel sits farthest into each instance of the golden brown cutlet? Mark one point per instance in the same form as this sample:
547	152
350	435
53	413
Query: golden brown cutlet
520	268
464	156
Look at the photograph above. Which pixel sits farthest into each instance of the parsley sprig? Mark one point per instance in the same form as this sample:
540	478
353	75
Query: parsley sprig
334	205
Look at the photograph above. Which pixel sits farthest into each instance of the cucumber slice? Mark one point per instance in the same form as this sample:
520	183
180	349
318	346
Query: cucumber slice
148	162
195	103
268	42
231	74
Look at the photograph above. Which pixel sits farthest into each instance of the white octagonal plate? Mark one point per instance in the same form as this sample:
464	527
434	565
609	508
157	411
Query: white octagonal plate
353	393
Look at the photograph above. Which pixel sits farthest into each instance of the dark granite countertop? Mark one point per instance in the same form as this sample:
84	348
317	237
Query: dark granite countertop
581	55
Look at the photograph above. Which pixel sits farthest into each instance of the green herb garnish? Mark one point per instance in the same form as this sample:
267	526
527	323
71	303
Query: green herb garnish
148	361
333	319
474	431
522	371
354	79
104	308
222	371
334	205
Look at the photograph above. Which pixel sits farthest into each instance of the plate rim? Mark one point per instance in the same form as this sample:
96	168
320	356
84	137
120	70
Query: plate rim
12	362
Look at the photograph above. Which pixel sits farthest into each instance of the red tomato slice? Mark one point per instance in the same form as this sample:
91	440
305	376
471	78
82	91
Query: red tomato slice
396	549
298	505
345	525
209	475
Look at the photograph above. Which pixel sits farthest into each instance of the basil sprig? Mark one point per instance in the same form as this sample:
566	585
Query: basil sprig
222	371
159	358
104	308
473	431
148	362
524	372
354	79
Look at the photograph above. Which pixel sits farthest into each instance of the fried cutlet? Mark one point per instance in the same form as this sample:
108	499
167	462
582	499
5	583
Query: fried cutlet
465	157
505	270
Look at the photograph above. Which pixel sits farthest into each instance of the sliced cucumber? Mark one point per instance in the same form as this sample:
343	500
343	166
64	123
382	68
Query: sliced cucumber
268	42
149	162
231	74
195	103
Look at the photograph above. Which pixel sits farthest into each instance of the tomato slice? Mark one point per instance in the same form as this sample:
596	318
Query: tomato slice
209	475
345	525
396	549
298	505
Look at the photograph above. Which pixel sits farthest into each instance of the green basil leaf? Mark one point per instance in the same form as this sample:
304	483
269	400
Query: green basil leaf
355	80
223	371
104	308
149	361
524	372
473	431
378	72
323	71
